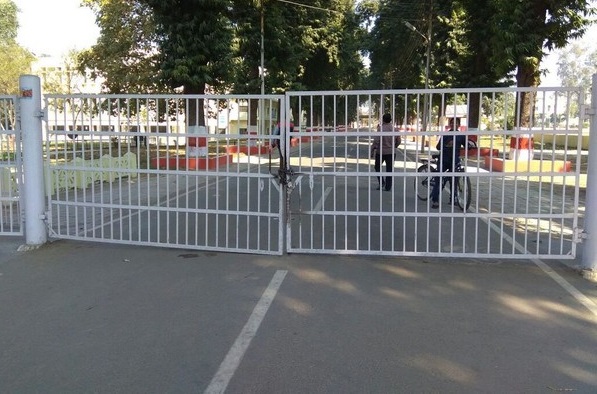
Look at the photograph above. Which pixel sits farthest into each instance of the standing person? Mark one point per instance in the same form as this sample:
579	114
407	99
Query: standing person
382	150
449	157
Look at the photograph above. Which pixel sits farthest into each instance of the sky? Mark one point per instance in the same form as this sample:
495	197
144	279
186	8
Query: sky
54	27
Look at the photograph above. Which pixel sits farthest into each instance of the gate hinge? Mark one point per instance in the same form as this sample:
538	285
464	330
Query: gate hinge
580	235
43	114
587	110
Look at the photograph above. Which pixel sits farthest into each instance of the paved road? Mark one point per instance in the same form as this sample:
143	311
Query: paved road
90	317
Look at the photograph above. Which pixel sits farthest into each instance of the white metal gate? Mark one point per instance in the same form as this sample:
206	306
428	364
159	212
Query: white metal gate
10	168
525	175
129	169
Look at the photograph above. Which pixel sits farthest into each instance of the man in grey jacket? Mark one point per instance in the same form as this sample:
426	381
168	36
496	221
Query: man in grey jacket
383	151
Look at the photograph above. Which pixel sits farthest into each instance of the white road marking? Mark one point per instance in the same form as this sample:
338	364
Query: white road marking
232	360
319	204
580	297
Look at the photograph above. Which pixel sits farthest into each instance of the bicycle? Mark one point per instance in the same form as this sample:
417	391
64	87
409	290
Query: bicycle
424	184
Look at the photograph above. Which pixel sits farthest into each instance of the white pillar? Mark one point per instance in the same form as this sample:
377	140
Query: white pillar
33	166
589	258
197	142
521	147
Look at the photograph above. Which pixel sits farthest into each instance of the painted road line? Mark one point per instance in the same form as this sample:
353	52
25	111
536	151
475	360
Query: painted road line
232	360
580	297
319	204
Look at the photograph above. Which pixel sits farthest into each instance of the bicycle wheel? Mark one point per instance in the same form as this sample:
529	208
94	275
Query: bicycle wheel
463	192
424	184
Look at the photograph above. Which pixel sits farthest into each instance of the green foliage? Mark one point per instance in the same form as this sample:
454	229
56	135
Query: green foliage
522	30
8	21
195	43
14	60
125	57
155	45
576	65
397	54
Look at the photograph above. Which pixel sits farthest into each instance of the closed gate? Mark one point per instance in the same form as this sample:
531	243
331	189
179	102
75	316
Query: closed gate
10	168
524	168
129	169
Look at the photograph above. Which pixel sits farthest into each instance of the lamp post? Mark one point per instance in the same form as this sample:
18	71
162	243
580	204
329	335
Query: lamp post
427	39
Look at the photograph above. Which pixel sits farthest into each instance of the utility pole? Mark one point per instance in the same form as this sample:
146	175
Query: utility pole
427	39
428	57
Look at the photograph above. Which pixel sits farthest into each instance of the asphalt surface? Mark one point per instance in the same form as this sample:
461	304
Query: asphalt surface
89	317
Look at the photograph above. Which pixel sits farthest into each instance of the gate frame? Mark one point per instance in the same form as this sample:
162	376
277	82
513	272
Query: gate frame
589	257
572	254
33	196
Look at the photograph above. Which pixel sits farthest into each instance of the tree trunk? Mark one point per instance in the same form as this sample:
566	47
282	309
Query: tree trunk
252	123
474	113
526	76
195	110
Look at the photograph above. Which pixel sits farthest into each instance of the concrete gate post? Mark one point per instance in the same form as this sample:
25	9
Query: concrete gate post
33	170
589	258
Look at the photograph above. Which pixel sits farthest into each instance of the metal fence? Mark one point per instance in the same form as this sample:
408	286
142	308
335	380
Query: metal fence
11	180
525	174
130	169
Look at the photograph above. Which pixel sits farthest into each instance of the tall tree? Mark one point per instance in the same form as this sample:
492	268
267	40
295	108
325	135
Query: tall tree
576	66
195	45
195	42
125	55
8	21
523	30
272	27
397	54
472	63
14	60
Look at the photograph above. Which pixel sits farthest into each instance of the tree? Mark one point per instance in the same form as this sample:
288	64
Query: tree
125	57
195	47
576	66
14	60
522	30
326	57
8	21
332	42
396	53
283	54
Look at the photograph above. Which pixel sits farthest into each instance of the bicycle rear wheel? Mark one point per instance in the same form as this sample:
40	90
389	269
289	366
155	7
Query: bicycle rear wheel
463	192
424	184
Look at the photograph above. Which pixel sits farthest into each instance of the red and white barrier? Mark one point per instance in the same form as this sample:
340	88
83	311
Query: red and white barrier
197	146
521	147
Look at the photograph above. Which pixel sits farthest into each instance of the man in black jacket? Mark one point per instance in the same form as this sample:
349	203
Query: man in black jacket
449	147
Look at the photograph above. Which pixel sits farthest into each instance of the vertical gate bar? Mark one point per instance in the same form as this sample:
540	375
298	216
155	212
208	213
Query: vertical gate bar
589	258
581	104
285	229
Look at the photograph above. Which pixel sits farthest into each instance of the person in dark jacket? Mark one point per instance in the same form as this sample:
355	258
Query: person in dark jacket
449	149
382	150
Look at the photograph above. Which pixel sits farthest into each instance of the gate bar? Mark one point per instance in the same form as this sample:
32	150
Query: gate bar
589	258
33	169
